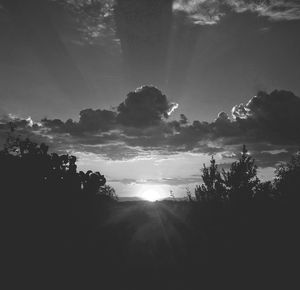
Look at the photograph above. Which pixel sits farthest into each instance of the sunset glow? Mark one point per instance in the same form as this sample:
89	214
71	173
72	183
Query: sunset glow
151	194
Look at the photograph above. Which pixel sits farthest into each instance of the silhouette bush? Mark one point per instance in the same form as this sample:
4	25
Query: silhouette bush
287	179
246	195
212	188
54	170
238	185
241	179
39	184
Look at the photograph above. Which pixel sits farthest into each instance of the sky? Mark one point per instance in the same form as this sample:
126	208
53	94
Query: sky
146	91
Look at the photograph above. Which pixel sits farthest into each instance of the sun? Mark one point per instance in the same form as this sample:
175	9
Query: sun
151	192
151	195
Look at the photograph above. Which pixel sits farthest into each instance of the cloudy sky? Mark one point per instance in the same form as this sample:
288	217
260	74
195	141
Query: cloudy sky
147	90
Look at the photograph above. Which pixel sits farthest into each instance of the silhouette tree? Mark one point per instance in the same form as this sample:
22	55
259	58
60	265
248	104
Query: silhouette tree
39	172
108	191
212	188
241	180
265	191
287	179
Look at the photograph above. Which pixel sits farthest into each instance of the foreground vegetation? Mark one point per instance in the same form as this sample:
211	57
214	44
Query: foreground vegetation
64	226
240	185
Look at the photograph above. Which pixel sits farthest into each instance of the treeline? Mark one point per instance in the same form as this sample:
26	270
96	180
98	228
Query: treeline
240	184
29	165
45	190
49	209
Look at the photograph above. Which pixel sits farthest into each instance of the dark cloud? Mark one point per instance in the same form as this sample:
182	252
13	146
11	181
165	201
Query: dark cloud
10	121
144	107
269	124
272	117
102	120
90	121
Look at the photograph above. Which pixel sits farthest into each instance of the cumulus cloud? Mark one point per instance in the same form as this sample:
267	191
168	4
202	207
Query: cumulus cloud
269	124
12	121
144	107
139	121
90	121
274	117
267	121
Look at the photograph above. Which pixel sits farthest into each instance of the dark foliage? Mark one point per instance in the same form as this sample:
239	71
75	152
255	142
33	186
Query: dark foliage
64	227
241	180
240	185
31	166
237	186
213	188
254	228
287	181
